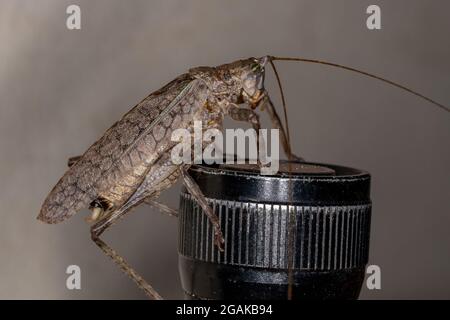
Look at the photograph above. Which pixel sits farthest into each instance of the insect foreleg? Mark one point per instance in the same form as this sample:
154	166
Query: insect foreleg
243	114
195	191
266	104
248	115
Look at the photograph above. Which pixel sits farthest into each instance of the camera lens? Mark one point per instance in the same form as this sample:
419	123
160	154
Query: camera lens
327	207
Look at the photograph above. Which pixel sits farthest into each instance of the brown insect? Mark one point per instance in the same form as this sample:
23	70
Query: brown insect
131	163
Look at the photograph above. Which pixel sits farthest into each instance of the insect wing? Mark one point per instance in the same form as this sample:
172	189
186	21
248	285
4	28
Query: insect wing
79	186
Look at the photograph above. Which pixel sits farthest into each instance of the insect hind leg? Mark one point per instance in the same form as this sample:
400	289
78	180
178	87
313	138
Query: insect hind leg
99	208
100	227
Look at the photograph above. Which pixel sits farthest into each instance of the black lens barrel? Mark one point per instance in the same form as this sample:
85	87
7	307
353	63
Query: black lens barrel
328	206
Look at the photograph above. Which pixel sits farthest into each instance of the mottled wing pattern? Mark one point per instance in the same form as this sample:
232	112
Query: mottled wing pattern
105	159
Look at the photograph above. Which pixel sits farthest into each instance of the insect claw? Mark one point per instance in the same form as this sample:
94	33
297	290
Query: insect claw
219	241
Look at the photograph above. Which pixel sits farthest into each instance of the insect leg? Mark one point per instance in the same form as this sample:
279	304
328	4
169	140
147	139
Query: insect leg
161	207
248	115
267	104
195	191
100	227
126	268
244	114
73	160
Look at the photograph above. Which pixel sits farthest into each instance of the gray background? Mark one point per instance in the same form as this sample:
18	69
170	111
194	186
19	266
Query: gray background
61	89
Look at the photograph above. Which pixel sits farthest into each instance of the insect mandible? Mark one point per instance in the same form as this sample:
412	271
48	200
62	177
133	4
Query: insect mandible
131	163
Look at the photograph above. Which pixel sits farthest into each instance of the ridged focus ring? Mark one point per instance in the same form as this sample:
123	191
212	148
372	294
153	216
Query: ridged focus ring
326	237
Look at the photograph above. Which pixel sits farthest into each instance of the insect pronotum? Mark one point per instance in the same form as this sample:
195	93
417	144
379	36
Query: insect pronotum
131	164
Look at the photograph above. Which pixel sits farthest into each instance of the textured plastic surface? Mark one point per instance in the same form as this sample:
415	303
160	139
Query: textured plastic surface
332	225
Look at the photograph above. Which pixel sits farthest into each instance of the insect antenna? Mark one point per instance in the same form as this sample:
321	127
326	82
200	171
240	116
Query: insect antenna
283	102
291	230
292	215
271	58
